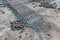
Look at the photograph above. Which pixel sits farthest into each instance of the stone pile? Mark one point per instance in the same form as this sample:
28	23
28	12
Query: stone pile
48	5
17	25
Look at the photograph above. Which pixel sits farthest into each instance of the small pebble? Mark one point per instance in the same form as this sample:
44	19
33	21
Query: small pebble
30	35
33	6
21	31
5	38
26	33
19	36
32	3
58	8
48	34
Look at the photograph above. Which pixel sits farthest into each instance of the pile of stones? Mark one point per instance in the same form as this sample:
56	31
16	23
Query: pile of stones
17	25
48	5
